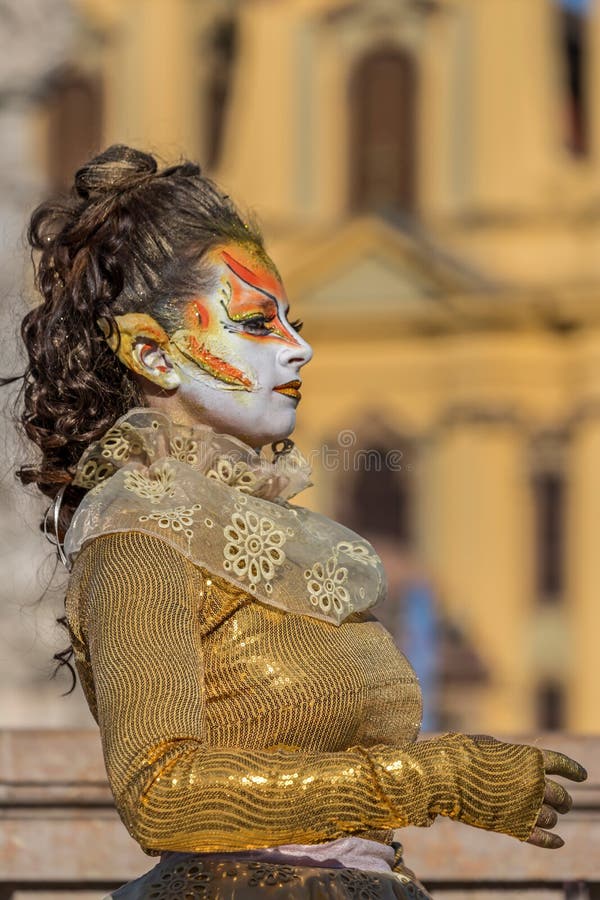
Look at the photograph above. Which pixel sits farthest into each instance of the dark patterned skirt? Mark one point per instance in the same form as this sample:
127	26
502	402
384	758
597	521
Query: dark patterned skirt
186	876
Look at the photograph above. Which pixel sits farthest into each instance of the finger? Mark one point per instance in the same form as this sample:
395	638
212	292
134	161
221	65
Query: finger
555	795
547	818
559	764
540	838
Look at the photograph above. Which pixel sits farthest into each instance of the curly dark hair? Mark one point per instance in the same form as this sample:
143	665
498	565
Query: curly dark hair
128	237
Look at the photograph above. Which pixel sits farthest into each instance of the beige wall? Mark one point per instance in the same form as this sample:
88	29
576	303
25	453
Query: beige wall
475	403
474	378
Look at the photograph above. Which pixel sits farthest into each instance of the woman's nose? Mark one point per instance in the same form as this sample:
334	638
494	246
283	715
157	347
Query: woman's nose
299	353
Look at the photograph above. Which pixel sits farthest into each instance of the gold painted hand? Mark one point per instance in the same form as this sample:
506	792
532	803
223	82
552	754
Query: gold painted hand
556	798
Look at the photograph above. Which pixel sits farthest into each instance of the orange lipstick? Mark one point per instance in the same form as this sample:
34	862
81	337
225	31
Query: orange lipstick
290	389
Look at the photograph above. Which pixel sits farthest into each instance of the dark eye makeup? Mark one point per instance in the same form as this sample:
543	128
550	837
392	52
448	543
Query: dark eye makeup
259	324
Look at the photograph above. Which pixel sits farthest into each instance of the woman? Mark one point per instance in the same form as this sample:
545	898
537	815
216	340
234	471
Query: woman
258	725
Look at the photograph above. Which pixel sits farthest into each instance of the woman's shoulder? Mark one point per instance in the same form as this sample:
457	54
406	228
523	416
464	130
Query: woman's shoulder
130	550
137	567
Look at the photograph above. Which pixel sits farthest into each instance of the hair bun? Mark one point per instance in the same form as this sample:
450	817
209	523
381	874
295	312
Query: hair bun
119	168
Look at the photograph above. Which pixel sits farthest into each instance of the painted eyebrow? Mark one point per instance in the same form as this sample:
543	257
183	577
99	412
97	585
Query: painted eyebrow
262	305
246	275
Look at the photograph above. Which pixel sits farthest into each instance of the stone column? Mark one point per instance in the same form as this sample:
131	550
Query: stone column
34	36
593	76
446	111
259	163
583	553
504	99
34	40
150	90
478	552
584	575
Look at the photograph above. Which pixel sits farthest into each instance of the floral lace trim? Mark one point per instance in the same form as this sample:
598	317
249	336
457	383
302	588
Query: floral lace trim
227	515
153	487
254	548
144	436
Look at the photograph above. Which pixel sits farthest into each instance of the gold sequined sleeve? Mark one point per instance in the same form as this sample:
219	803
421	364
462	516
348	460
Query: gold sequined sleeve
134	612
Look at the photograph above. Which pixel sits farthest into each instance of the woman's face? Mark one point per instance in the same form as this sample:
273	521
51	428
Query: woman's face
237	356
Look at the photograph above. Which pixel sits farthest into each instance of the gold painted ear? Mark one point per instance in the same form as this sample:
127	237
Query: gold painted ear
133	329
143	346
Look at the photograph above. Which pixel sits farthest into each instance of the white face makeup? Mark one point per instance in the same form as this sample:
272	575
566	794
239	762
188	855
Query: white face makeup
236	356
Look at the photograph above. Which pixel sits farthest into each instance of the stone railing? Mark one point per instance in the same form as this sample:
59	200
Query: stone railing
60	836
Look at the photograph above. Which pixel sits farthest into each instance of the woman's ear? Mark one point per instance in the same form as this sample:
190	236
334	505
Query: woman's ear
144	347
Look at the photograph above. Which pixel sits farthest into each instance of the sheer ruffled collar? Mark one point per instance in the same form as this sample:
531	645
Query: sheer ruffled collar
226	508
144	436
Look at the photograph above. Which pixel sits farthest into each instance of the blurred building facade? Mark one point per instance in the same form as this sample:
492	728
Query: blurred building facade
427	174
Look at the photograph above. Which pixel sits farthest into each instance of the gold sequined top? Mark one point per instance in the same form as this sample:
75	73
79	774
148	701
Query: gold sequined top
228	724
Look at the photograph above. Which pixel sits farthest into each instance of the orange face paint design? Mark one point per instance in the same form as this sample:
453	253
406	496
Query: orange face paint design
193	345
196	351
197	315
248	302
236	359
254	295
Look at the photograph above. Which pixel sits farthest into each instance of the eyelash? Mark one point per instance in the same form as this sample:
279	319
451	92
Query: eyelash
261	322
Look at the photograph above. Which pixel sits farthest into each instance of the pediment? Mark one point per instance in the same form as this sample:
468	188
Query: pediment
372	11
370	266
374	279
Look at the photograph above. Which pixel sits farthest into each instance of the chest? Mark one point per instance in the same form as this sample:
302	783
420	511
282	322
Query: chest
277	678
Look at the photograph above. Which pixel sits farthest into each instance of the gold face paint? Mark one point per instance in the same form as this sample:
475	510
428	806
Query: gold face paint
136	333
195	350
256	296
233	363
249	303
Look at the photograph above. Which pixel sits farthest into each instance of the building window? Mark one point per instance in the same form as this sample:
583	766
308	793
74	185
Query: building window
550	706
382	136
222	50
379	500
75	124
549	500
549	490
573	39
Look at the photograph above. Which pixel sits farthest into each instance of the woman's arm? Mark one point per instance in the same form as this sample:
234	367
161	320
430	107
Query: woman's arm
140	614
